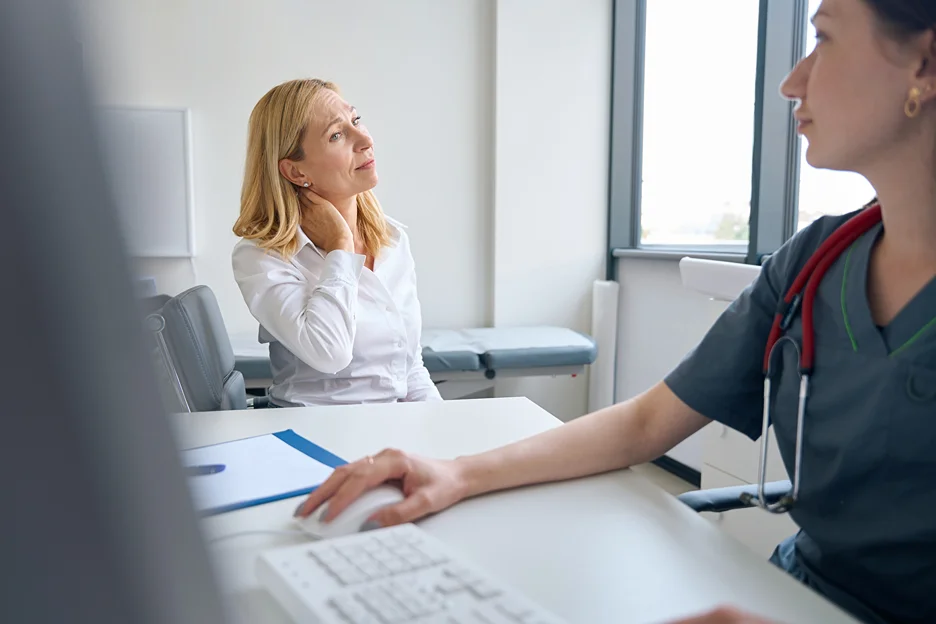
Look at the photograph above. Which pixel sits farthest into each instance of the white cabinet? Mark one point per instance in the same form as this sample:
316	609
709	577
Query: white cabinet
731	458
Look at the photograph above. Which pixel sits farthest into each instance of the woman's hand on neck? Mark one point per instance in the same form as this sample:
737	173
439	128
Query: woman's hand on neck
324	224
347	208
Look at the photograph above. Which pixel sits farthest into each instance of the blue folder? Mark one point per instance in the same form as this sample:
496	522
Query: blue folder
299	443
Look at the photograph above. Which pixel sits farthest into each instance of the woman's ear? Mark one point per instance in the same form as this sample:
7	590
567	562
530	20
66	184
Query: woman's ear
289	171
926	71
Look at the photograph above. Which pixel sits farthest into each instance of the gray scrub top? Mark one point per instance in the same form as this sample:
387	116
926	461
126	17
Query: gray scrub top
867	503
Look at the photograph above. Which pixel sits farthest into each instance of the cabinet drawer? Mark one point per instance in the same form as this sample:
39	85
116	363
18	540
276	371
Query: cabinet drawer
735	454
757	529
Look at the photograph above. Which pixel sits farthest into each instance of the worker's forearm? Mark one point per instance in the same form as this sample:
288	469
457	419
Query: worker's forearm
599	442
622	435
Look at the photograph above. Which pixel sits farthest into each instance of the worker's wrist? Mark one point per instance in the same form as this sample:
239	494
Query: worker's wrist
473	474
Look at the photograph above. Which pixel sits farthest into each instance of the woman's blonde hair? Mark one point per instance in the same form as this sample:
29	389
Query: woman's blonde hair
269	212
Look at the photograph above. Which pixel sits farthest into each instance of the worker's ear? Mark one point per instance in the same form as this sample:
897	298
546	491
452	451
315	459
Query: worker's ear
923	87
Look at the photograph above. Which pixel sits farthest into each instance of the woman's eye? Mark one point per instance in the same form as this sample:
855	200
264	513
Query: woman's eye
335	136
356	121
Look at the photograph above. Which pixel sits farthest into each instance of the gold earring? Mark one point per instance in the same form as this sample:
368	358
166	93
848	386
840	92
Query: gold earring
912	105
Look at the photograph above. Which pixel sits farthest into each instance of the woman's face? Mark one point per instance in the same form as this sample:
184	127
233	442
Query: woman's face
851	89
338	152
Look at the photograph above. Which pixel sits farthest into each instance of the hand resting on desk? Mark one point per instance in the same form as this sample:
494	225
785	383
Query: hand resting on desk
625	434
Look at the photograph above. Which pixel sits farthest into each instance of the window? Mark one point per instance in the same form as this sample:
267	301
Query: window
821	191
699	78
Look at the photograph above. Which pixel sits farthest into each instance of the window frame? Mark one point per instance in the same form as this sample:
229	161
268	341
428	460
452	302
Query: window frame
775	149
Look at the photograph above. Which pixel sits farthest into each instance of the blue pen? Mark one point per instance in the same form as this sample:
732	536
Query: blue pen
208	469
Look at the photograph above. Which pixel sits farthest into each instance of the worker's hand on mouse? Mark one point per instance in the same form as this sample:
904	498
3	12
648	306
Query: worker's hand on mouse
429	485
724	615
323	224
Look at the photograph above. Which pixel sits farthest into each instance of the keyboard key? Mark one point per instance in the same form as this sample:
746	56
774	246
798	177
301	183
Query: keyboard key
514	609
451	585
485	590
382	603
491	615
390	540
395	566
373	570
419	601
463	574
350	575
327	557
352	610
417	560
433	554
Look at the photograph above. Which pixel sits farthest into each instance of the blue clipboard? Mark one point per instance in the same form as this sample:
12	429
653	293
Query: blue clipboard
297	442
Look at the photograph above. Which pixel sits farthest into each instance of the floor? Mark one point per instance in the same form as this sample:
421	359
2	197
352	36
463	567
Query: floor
666	480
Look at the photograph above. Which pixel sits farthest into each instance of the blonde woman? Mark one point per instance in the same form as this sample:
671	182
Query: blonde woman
329	277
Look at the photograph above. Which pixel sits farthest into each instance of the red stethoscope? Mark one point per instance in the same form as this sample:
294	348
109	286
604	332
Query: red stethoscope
802	293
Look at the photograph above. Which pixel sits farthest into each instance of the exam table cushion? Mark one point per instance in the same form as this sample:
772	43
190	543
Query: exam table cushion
511	347
479	349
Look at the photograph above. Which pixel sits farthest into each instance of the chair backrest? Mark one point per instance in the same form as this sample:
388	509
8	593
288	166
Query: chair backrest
198	361
723	281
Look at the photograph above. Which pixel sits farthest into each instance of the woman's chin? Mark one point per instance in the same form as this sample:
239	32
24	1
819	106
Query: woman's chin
814	157
368	180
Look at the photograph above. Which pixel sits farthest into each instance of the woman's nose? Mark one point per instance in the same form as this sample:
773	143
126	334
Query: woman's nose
365	142
793	86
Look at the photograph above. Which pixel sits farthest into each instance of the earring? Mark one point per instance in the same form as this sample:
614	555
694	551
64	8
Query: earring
912	105
306	184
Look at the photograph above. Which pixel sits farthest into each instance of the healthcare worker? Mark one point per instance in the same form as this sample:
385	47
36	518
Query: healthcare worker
863	335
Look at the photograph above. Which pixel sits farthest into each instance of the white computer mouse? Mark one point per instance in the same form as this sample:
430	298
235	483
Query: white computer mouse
354	517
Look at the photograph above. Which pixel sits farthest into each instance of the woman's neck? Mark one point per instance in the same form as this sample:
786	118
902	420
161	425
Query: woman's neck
907	194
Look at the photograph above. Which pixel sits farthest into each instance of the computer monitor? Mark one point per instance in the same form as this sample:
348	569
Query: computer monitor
97	523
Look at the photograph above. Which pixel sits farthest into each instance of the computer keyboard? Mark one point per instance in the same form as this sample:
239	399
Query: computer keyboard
393	575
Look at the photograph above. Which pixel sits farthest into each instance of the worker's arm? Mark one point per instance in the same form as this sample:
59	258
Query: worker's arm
629	433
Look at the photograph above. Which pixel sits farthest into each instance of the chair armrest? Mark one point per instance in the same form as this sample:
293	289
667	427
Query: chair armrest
258	402
735	497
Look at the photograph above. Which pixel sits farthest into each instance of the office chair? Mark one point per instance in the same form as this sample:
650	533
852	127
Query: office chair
724	281
735	497
193	353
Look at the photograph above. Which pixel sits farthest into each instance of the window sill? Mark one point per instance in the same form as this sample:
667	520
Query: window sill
678	254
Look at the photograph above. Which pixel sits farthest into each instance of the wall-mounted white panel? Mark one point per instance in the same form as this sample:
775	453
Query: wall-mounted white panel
147	152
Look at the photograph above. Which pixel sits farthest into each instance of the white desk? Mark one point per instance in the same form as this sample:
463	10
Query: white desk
612	548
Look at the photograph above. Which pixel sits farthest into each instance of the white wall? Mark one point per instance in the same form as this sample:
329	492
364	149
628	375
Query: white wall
428	76
660	321
420	71
551	187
